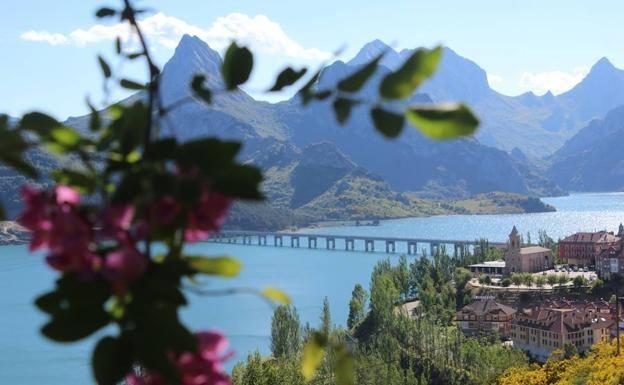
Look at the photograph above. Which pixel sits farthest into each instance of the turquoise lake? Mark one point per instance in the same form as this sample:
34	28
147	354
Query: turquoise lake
307	275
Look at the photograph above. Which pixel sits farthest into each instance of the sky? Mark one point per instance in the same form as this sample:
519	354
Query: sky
49	48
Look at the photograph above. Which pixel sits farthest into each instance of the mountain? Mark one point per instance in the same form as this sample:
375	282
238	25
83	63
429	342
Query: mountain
593	160
413	163
599	92
319	183
368	163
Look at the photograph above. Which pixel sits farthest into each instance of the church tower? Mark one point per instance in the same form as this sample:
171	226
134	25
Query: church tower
514	239
621	231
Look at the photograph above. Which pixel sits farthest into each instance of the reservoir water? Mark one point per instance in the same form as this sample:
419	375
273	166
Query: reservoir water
306	275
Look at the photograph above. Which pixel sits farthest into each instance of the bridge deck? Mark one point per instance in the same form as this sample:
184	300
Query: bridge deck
230	233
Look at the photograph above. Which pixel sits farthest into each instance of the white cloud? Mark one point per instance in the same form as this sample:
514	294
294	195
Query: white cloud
47	37
259	32
555	81
494	79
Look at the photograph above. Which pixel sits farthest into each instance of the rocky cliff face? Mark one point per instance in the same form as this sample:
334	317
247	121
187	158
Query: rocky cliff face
593	160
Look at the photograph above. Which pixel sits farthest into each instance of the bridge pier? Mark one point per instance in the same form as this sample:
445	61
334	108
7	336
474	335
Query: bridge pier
434	248
369	244
277	238
294	240
390	246
311	242
351	242
262	240
412	247
246	239
330	241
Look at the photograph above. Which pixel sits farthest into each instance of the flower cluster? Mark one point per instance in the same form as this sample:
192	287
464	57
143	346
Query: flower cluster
58	226
204	367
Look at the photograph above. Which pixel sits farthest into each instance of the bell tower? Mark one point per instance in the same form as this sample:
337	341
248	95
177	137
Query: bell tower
514	239
621	231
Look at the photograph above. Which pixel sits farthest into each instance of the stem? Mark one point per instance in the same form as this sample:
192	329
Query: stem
152	92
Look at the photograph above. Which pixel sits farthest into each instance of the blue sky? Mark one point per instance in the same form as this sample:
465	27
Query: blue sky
49	48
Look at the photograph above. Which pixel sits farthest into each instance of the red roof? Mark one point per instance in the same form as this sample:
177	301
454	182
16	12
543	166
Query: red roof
597	237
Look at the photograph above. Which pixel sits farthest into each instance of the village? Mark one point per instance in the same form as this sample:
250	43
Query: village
545	299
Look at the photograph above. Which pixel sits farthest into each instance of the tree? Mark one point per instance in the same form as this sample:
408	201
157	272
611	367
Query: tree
552	279
579	281
540	281
527	279
597	285
563	279
285	331
569	350
505	282
384	296
402	277
516	279
462	295
357	306
326	324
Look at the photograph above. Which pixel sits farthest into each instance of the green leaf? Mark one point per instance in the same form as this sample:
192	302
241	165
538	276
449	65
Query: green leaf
106	70
105	12
222	266
443	122
12	147
111	361
72	326
287	78
237	65
202	92
390	124
342	109
83	182
118	45
95	123
417	68
50	302
276	295
38	122
356	81
65	136
240	181
306	91
18	163
131	84
344	368
313	353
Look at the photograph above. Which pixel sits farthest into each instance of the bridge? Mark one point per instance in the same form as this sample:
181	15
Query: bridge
347	242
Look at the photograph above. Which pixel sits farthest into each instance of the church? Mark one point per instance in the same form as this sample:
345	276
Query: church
530	259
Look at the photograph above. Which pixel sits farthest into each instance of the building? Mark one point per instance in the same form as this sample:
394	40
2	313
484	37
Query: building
485	316
541	330
582	249
529	259
610	262
491	268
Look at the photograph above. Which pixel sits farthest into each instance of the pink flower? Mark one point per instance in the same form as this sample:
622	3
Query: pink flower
165	210
57	226
204	367
117	220
65	194
207	217
82	263
126	264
